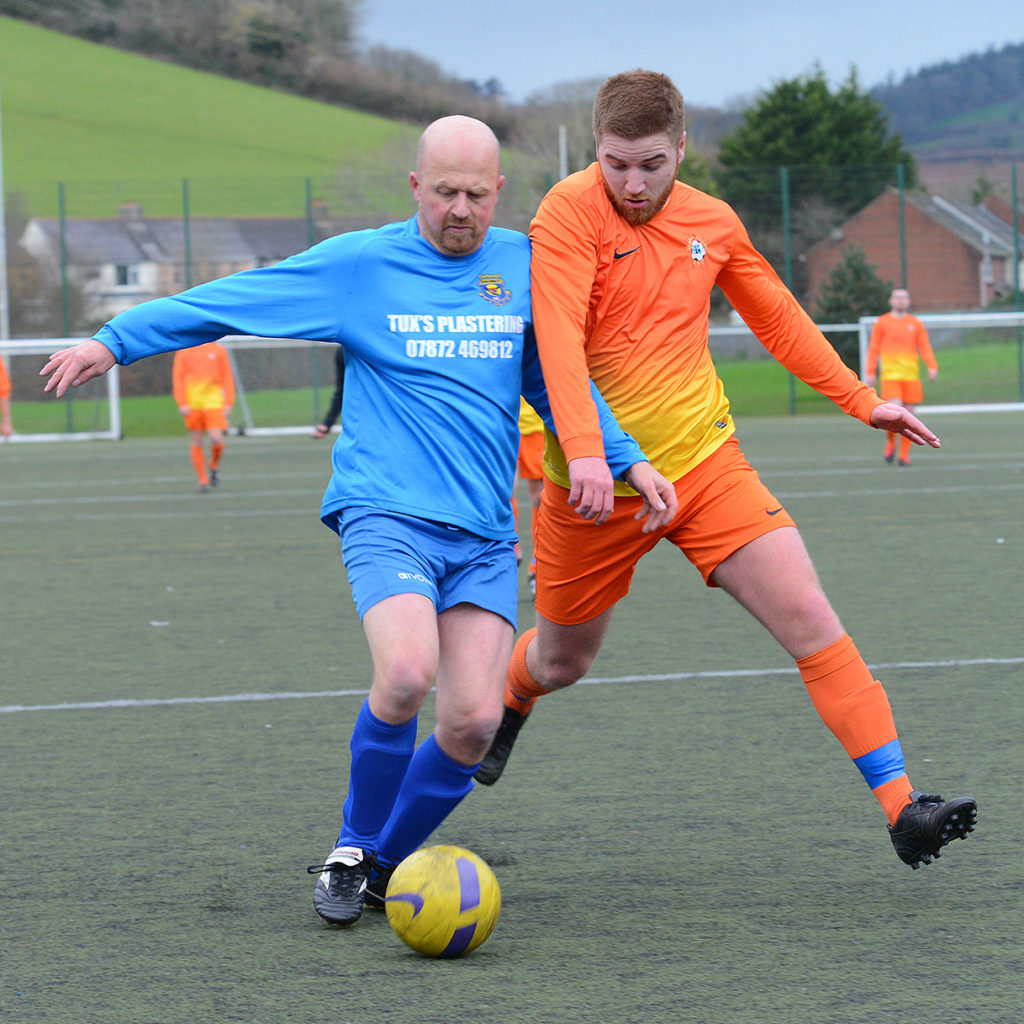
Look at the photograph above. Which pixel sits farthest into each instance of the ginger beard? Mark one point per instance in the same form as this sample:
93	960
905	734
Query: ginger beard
639	215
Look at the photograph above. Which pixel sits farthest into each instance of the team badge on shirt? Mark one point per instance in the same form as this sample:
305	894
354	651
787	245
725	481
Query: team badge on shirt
697	250
493	289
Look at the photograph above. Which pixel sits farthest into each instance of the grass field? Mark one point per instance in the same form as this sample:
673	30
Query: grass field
116	126
678	839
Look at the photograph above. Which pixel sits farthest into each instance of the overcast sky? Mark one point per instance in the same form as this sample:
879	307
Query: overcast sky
715	51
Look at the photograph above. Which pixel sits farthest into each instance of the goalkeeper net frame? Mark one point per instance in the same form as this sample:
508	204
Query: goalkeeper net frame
283	386
97	402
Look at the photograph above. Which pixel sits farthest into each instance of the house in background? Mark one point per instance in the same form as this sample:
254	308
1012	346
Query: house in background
959	258
118	263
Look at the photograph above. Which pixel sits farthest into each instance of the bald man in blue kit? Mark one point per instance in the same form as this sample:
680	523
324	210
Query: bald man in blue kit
435	318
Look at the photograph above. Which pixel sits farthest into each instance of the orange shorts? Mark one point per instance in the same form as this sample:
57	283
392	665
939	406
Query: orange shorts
206	419
583	569
909	392
531	455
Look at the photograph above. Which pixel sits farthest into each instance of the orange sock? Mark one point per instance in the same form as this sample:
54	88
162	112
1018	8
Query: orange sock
904	449
893	795
195	452
856	709
890	445
521	690
216	451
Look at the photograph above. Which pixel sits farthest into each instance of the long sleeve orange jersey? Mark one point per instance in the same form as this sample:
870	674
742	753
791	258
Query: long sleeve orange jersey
202	377
898	341
5	381
629	306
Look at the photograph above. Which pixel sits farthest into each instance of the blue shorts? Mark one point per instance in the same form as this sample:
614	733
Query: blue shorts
386	553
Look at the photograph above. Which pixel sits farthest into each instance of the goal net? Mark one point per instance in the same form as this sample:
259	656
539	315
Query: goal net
90	412
285	386
282	386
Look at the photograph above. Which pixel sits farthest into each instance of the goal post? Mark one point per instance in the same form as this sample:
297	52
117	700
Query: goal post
282	386
89	413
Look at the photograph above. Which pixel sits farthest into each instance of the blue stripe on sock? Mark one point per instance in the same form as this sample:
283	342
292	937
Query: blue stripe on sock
882	765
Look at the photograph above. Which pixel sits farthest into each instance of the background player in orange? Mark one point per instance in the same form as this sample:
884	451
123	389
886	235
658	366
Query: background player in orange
530	469
898	338
204	389
5	403
624	258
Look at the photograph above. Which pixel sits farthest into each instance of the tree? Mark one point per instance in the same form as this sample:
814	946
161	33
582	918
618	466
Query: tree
695	170
836	145
853	289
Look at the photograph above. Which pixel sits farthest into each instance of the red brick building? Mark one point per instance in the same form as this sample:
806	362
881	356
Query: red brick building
958	258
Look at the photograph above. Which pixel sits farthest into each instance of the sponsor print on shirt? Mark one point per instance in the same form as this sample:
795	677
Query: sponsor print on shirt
442	347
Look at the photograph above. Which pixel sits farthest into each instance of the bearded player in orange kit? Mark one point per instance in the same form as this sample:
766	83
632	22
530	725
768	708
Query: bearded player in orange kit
624	258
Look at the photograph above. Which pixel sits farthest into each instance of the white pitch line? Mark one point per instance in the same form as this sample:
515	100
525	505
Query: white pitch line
65	512
70	501
249	698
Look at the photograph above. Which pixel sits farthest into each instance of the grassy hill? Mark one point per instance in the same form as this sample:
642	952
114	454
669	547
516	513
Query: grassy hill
962	109
113	126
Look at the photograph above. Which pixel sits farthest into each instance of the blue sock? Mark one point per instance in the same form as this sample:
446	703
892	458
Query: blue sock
380	758
434	786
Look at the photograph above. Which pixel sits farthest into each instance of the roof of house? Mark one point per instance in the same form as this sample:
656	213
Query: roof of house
974	225
134	238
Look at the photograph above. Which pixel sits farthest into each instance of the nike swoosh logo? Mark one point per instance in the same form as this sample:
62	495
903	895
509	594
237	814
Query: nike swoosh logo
628	252
773	511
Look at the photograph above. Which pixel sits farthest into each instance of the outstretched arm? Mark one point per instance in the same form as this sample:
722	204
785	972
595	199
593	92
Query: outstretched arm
897	420
73	366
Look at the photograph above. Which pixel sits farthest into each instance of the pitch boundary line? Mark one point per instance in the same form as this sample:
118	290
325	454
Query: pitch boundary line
249	698
70	515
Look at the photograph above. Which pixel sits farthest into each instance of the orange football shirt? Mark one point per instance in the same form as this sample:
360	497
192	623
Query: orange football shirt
202	377
898	340
629	307
5	381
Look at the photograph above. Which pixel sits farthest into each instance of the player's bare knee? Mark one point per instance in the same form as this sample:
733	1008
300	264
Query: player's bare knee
807	623
403	687
468	736
564	669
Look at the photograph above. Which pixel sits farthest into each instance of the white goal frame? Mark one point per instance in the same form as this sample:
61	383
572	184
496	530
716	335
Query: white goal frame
45	347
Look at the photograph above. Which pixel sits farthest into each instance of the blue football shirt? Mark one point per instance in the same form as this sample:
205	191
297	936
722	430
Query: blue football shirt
438	350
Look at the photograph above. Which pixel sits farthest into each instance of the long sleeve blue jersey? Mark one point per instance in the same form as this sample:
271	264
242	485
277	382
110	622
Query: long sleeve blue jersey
437	351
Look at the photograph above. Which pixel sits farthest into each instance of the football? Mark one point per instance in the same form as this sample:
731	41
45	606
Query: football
443	901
